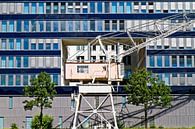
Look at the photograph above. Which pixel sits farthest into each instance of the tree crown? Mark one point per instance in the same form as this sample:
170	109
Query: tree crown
42	91
144	88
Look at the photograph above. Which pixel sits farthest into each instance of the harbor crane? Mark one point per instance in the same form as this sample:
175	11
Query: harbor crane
160	29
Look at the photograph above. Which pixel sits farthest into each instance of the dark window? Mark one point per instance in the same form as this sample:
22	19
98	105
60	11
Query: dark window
136	3
151	11
63	7
107	25
48	8
122	25
55	8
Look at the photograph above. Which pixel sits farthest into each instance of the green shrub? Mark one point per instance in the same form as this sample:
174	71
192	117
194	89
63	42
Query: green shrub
47	122
161	127
120	124
152	126
14	126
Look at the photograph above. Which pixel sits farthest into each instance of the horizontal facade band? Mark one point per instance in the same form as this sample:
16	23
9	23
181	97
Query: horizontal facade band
171	52
144	16
93	0
74	35
172	70
30	53
28	70
67	90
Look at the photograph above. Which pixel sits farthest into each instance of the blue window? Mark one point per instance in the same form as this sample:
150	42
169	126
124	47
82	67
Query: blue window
11	44
19	26
55	79
1	122
85	25
18	80
3	44
189	74
167	61
25	80
3	61
85	10
4	26
107	7
33	46
99	26
77	26
158	11
85	7
70	10
26	8
3	80
99	7
70	7
10	80
77	10
10	102
33	26
143	3
28	122
114	25
25	61
159	76
18	61
11	61
11	26
92	7
181	61
32	76
70	25
124	101
114	7
167	79
159	61
41	8
48	8
60	122
189	61
48	26
174	61
34	8
41	26
63	25
18	44
48	46
151	61
128	7
92	25
26	26
55	46
73	104
143	10
55	8
55	26
26	44
63	7
40	46
121	7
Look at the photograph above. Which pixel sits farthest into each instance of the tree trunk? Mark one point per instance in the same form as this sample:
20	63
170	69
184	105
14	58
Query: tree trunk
146	115
41	118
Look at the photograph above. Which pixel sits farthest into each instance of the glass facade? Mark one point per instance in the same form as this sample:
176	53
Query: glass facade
22	26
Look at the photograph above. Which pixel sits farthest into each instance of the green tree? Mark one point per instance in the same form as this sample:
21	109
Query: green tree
144	89
14	126
41	91
47	122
